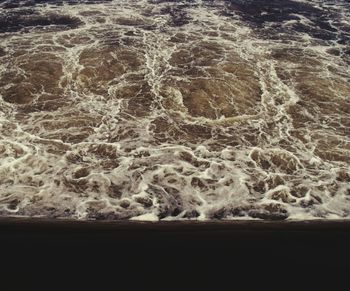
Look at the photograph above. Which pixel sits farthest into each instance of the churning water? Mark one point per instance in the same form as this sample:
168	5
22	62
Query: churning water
175	110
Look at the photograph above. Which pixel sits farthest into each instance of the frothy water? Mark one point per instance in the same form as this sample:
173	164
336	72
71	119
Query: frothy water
175	110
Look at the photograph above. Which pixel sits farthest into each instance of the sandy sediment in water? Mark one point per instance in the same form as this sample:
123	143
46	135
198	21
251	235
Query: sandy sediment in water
161	110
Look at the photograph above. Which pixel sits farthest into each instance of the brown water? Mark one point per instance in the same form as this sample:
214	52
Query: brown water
175	110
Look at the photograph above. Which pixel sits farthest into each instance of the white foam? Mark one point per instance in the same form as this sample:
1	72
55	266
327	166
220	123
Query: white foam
146	217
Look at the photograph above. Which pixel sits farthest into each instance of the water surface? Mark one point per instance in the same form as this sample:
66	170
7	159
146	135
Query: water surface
175	109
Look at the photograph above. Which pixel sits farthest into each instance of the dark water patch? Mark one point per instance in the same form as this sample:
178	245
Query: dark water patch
313	31
176	11
267	212
2	52
270	17
262	11
22	19
10	4
344	39
178	16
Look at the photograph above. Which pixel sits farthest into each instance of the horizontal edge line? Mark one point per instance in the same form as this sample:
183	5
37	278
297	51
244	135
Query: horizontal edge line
169	226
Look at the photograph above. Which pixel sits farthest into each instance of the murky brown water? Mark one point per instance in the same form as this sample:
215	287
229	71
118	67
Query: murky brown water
175	110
